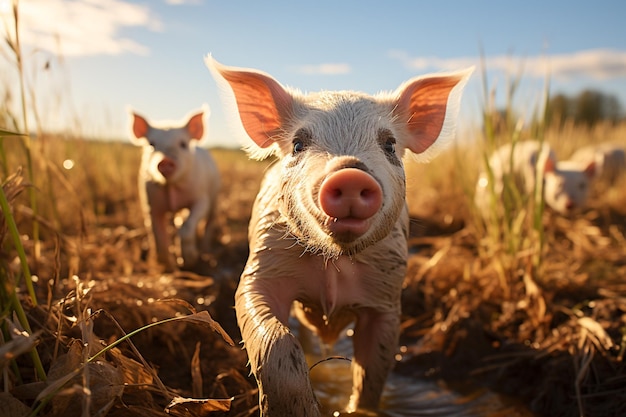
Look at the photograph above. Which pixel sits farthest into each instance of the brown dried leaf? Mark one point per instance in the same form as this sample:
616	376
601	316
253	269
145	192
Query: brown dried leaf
205	319
178	301
63	370
11	406
133	372
187	407
65	384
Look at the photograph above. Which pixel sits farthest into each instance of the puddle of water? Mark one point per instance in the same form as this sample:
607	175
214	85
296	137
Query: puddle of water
404	396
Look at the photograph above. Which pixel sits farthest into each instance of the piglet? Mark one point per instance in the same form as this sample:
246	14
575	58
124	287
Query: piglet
176	174
609	160
565	184
328	232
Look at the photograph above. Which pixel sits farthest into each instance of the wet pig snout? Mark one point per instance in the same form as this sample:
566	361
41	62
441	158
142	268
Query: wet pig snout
166	167
350	193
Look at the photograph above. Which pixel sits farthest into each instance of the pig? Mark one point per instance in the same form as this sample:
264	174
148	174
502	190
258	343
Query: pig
328	231
566	187
609	160
565	183
176	174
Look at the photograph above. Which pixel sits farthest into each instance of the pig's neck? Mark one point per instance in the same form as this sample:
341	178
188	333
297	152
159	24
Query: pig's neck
178	196
338	276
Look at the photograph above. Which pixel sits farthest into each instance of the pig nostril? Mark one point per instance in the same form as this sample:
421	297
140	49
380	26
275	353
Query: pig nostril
367	193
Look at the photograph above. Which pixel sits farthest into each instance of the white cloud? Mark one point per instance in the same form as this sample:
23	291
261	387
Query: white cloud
324	69
182	2
81	27
599	64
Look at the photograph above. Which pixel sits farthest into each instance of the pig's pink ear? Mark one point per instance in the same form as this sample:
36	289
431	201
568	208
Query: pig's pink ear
263	104
140	126
195	126
590	170
429	107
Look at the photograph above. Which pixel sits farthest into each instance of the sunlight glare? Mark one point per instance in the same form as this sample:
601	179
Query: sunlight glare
68	164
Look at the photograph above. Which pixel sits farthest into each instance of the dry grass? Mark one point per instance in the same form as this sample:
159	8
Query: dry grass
552	336
551	332
95	286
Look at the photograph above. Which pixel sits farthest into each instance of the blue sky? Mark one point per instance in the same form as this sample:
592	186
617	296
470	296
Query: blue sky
106	55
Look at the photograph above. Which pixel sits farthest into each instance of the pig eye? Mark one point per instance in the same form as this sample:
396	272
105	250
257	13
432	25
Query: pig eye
387	142
298	146
300	141
389	146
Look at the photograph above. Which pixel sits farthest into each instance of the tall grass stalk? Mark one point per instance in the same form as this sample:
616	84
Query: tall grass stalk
3	154
513	222
15	235
16	306
539	132
26	142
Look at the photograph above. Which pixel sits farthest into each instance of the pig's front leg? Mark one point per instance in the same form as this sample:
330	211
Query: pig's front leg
375	339
153	203
187	232
209	227
276	357
159	224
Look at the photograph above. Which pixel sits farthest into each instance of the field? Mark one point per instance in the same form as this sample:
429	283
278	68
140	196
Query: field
532	309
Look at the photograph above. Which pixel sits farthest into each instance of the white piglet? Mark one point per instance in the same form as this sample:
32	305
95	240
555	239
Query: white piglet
176	174
565	184
328	232
609	160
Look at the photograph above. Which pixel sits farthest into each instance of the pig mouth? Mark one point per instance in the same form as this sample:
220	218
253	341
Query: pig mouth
347	229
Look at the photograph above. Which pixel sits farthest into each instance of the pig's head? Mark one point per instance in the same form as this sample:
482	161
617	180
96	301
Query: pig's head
566	185
342	181
168	148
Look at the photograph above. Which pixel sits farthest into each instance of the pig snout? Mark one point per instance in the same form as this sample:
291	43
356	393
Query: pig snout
167	167
350	197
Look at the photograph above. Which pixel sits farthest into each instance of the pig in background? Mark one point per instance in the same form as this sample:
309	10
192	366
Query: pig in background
565	183
176	174
609	160
328	231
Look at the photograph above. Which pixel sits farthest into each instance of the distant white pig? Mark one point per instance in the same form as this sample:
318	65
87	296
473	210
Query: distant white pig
609	160
328	233
565	185
176	174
